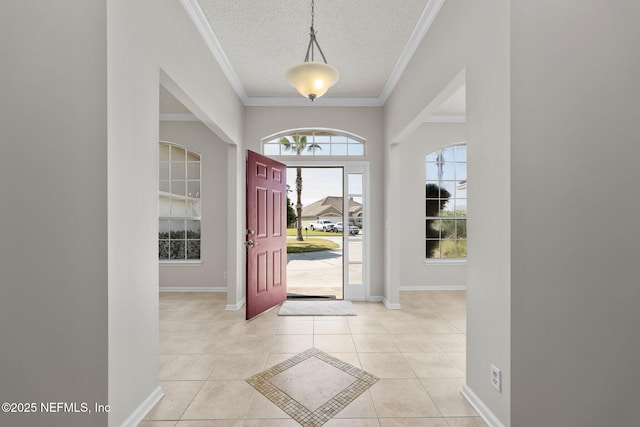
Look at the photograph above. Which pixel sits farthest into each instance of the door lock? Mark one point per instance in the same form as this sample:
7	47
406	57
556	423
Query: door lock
251	232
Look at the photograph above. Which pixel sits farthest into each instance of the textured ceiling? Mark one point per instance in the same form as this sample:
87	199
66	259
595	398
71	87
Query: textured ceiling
363	39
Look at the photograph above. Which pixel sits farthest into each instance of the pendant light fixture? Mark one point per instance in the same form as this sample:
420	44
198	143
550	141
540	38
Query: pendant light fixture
310	78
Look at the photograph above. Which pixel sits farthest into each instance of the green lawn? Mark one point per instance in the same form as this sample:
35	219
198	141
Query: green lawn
310	245
292	232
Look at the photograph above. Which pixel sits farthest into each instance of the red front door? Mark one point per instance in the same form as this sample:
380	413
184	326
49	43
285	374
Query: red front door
266	233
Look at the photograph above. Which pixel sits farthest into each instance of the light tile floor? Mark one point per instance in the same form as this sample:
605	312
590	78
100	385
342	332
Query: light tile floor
313	386
207	353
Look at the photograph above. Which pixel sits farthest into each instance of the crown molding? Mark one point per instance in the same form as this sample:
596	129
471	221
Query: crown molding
299	101
193	9
201	22
419	32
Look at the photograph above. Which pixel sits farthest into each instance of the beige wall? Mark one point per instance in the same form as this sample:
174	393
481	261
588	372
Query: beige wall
148	41
414	273
53	187
213	152
439	58
81	315
574	154
489	232
79	137
469	41
433	74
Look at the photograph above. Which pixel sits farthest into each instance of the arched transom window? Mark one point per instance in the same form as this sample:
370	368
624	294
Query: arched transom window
314	142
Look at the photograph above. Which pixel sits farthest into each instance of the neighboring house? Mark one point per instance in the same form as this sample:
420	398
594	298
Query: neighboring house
330	208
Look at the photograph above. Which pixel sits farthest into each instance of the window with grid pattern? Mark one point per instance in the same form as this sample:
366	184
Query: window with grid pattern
446	203
313	142
179	209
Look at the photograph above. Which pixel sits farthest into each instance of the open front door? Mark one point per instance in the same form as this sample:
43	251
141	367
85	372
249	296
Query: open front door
266	239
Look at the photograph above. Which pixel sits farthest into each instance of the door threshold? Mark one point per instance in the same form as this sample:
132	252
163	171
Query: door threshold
310	297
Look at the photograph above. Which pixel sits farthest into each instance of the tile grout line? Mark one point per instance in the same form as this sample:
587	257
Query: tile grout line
326	411
366	324
190	402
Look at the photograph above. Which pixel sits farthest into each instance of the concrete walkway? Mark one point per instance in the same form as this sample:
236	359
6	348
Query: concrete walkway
315	273
319	273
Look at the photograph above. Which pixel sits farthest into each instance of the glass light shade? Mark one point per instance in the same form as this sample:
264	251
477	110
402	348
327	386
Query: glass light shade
312	79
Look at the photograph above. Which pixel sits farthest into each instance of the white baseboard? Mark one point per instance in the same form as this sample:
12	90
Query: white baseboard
482	409
193	289
433	288
390	305
236	307
145	407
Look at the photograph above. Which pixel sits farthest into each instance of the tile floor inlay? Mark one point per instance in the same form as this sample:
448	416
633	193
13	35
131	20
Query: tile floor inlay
312	386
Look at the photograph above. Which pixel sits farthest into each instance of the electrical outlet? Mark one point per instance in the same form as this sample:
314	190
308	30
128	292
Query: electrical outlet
226	275
496	378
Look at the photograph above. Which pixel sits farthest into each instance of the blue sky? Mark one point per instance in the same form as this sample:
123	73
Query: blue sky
316	183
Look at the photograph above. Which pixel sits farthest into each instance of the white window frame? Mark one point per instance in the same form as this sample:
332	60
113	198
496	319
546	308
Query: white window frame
349	164
454	198
187	198
317	135
357	292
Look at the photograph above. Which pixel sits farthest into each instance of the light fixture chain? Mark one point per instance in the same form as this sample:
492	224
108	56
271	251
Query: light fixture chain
313	31
313	43
312	79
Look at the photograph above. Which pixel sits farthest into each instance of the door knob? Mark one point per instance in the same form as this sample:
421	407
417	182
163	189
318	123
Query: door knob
250	243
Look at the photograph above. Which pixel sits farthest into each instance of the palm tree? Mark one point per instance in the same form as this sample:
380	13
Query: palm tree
297	144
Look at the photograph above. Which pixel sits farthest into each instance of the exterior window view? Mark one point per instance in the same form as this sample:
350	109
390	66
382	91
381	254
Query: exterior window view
179	204
446	203
329	255
316	143
325	212
315	262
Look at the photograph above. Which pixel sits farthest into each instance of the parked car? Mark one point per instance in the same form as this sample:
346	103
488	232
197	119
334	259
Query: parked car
353	229
322	225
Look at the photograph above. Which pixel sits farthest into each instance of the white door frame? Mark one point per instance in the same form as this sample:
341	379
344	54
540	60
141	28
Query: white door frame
351	292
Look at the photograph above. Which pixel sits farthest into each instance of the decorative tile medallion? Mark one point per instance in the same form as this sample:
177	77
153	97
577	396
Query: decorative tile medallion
323	412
